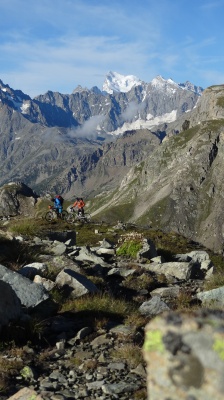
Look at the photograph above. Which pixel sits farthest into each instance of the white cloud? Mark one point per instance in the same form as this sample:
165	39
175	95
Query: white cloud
133	109
88	128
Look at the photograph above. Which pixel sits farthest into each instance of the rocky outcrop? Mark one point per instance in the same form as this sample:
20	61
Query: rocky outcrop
17	199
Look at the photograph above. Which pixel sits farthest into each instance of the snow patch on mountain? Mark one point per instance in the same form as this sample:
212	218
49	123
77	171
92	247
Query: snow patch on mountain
115	82
159	83
193	88
25	107
149	123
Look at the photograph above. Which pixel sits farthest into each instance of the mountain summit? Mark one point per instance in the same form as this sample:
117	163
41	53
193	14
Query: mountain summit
115	82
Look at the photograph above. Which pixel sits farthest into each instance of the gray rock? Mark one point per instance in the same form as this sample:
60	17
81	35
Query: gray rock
78	283
17	198
29	293
214	297
198	255
103	251
30	270
47	284
100	340
139	370
85	254
148	250
116	366
118	388
83	333
121	272
153	307
58	248
166	292
10	305
179	270
158	259
60	262
95	385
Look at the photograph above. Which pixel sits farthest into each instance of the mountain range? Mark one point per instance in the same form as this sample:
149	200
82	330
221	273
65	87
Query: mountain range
140	152
55	140
124	103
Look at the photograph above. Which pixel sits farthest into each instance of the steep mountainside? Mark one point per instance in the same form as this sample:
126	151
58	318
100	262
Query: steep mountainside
116	160
180	185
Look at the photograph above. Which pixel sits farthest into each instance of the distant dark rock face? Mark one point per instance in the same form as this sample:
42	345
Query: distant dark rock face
17	198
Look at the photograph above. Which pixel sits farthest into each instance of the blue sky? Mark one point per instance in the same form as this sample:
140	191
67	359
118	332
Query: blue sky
60	44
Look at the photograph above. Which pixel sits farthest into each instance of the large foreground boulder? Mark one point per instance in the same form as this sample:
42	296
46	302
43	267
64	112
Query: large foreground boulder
185	356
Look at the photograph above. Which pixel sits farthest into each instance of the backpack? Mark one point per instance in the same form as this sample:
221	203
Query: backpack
60	198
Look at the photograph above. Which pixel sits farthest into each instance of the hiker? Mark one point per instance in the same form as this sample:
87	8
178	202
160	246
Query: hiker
80	204
58	203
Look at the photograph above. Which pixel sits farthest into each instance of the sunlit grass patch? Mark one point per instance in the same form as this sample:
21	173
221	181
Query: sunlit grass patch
84	364
27	227
185	302
129	248
139	282
99	304
215	281
130	353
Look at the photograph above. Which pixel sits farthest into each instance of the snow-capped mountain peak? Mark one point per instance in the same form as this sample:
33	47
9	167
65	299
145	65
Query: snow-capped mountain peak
160	83
169	85
190	86
115	82
15	98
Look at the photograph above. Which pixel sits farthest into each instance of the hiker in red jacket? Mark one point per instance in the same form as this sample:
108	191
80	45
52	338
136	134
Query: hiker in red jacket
80	204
